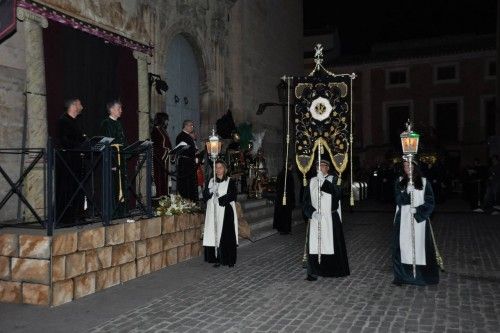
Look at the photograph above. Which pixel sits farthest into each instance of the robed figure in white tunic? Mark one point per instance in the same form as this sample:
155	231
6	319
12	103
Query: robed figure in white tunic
326	235
427	269
220	236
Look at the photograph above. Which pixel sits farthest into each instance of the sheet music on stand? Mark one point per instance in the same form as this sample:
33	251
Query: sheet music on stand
96	143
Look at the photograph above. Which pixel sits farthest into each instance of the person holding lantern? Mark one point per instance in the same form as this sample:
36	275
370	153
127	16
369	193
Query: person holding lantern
220	236
325	245
419	208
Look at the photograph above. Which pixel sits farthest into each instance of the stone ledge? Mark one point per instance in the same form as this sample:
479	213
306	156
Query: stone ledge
76	274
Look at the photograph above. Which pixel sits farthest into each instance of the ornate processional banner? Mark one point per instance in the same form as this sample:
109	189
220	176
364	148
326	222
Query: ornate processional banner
323	116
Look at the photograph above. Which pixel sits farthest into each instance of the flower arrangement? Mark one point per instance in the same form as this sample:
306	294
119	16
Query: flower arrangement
175	205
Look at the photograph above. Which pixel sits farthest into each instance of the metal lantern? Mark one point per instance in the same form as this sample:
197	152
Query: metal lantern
409	140
214	145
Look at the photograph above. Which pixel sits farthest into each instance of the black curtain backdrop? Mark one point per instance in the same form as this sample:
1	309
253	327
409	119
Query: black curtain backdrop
83	66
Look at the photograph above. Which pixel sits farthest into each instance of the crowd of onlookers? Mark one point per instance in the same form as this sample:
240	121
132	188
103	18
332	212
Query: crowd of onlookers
478	184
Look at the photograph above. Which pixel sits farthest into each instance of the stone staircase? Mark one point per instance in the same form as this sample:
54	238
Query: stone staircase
259	214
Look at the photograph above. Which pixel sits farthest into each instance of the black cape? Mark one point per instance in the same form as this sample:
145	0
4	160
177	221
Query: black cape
186	168
403	273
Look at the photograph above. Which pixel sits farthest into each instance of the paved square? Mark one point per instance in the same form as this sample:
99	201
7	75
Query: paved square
266	291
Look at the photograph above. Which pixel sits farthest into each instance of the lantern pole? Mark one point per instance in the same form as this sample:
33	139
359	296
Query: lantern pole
213	147
407	138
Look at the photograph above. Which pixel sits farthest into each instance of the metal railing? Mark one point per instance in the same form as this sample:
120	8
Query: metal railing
77	185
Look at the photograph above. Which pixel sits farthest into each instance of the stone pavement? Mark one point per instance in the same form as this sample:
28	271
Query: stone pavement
266	291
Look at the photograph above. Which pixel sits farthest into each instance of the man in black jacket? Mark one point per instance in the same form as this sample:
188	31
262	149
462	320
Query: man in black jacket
70	136
186	168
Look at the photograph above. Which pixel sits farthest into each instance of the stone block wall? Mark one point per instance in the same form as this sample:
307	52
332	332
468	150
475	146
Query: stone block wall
55	270
25	269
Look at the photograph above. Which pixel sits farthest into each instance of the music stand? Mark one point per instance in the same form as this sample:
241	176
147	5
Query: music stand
179	148
96	143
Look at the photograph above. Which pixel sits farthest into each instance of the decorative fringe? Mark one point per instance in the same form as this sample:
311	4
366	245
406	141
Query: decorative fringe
339	181
284	199
304	181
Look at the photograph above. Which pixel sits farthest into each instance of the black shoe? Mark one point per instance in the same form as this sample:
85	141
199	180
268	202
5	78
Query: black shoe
397	283
311	278
216	265
231	265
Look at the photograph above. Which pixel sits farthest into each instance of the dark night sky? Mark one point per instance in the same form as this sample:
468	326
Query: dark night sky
362	23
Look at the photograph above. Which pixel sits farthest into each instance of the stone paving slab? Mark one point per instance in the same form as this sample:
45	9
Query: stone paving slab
266	291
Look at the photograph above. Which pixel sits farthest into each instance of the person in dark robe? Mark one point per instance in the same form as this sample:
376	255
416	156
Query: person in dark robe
283	213
112	127
161	148
326	250
220	236
70	136
427	269
186	167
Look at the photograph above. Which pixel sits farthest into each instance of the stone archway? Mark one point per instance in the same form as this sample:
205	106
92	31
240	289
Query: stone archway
180	34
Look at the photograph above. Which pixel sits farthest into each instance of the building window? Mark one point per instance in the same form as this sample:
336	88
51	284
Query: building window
491	69
397	78
397	117
446	120
446	73
490	117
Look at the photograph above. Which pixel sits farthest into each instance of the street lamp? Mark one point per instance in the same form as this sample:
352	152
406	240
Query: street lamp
214	145
409	144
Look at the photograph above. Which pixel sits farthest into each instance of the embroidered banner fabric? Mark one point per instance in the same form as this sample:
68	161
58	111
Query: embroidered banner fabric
322	117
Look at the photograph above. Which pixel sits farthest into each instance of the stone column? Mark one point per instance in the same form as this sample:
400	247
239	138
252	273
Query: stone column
143	108
143	94
36	102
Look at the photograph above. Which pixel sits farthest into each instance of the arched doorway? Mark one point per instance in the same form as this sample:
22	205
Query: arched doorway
183	95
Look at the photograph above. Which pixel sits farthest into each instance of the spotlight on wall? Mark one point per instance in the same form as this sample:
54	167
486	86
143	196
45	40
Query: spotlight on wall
160	85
